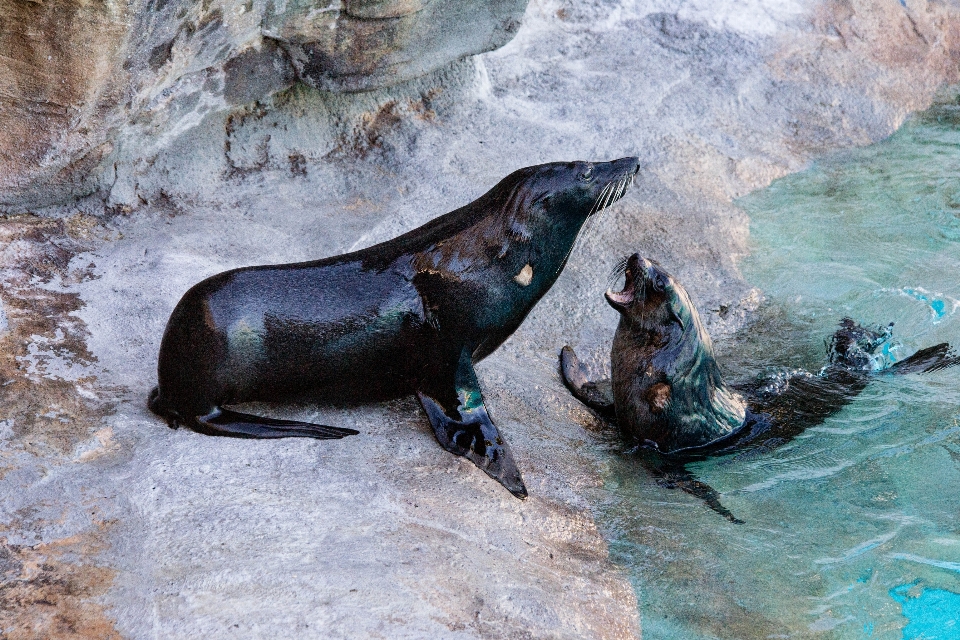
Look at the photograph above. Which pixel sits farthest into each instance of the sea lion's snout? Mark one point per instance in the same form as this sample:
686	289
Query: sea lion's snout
634	267
640	276
609	181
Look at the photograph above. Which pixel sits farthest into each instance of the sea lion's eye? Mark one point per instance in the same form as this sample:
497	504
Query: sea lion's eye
586	173
658	283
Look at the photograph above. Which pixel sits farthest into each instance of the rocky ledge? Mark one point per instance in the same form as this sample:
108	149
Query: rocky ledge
224	145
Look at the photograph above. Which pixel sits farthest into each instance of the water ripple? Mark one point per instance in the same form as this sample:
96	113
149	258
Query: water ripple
860	549
796	474
941	564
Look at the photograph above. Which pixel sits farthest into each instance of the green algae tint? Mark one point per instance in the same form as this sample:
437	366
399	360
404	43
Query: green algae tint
852	530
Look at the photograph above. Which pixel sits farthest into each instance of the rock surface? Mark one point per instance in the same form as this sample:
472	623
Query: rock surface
75	75
114	526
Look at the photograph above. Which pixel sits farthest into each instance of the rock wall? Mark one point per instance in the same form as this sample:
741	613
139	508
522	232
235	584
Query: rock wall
76	75
215	157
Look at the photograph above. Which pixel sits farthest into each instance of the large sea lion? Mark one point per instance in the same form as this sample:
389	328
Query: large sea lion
410	315
667	393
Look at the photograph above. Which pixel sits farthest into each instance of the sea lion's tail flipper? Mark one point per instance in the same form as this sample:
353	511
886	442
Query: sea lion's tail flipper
673	474
472	434
596	395
224	422
933	358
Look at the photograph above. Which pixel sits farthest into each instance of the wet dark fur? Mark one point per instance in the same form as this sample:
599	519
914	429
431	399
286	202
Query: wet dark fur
668	396
410	315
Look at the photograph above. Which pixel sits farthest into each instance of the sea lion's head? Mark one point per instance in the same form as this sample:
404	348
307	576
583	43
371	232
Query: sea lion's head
551	202
667	384
578	190
652	302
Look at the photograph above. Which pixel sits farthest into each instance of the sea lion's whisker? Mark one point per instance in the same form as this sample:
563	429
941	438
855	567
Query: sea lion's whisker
573	244
623	187
593	208
610	193
606	202
596	205
584	231
603	194
613	194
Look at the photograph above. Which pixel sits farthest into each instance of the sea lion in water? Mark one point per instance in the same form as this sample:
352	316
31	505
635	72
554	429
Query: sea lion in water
410	315
667	393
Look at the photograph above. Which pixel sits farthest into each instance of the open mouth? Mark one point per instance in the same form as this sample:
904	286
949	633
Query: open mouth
635	267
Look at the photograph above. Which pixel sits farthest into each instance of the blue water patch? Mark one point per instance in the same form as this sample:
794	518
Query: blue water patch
932	614
937	305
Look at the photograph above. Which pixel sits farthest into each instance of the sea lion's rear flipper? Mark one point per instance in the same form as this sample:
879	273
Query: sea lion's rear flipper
224	422
933	358
596	395
463	427
673	474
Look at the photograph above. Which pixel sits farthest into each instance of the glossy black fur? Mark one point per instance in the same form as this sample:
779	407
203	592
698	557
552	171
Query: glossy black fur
410	315
776	410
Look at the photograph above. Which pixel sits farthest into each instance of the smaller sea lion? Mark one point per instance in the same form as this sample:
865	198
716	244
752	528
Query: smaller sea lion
668	395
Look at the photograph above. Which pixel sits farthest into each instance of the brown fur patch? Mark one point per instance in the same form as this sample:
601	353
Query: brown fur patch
657	397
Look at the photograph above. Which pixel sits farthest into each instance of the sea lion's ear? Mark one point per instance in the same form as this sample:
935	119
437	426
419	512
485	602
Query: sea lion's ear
657	397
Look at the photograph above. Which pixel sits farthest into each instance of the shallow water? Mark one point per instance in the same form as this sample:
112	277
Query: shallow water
852	530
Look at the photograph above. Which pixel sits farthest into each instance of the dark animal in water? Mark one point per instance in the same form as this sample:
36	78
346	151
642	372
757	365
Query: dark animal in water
668	396
410	315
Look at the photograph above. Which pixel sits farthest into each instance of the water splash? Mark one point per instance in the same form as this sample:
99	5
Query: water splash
940	305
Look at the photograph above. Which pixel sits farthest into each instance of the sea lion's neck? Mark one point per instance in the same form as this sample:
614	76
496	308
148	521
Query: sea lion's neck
701	407
715	408
492	273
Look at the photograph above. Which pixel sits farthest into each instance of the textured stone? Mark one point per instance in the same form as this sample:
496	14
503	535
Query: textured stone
75	75
371	43
126	526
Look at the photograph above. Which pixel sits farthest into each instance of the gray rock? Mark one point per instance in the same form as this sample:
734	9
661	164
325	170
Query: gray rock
358	45
116	526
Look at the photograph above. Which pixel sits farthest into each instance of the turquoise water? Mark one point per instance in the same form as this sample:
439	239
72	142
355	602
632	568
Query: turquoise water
852	530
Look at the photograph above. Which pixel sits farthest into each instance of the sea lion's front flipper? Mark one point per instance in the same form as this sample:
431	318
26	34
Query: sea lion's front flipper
596	395
933	358
463	427
673	474
224	422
